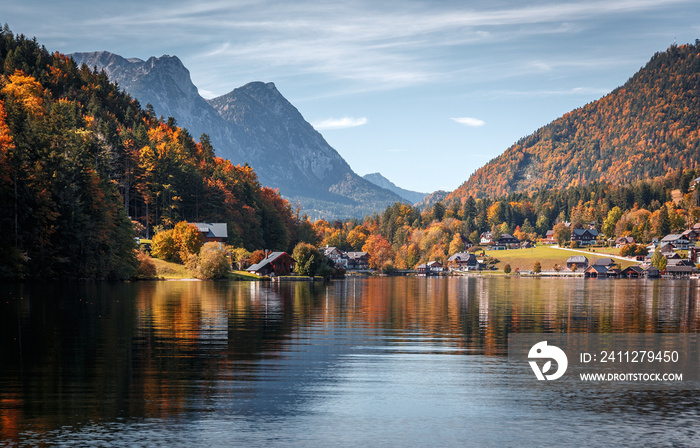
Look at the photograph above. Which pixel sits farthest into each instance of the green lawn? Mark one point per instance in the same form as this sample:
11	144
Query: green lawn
173	271
167	270
604	250
243	275
524	259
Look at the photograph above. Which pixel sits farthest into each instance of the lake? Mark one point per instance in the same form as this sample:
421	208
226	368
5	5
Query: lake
399	361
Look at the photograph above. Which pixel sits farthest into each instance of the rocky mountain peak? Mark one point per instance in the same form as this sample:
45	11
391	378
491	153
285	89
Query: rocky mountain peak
252	124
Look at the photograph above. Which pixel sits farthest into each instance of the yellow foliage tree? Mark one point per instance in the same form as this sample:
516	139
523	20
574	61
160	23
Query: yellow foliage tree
357	237
456	245
25	90
163	246
188	240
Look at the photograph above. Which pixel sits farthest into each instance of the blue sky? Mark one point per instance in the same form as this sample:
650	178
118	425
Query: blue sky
424	92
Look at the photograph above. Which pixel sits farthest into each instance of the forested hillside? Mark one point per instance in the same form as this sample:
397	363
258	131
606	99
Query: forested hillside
81	165
641	130
403	236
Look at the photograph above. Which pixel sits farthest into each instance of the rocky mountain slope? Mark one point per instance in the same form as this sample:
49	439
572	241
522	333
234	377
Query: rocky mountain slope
252	124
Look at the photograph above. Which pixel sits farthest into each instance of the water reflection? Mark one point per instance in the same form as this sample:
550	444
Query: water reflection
81	359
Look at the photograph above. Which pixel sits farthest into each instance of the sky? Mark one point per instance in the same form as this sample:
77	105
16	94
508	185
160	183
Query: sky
424	92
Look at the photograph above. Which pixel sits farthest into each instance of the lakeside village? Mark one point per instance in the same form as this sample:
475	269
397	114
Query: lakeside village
678	255
673	256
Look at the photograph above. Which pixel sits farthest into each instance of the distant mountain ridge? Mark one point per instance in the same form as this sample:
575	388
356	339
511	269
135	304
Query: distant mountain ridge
252	124
644	129
431	199
413	197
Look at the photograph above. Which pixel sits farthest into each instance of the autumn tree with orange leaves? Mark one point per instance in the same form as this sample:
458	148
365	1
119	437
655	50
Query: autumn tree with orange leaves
379	250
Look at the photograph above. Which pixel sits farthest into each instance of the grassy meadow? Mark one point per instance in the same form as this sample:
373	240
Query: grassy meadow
548	256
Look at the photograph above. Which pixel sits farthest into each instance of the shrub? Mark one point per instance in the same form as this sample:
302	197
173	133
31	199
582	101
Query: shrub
506	269
211	263
537	268
388	268
146	268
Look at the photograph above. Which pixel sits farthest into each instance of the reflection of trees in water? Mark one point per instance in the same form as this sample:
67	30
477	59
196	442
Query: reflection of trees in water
98	351
478	313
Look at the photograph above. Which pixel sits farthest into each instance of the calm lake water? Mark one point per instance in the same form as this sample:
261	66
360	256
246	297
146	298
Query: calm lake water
356	362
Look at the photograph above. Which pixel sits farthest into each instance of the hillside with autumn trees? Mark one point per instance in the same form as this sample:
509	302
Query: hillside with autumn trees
82	165
403	237
83	169
641	130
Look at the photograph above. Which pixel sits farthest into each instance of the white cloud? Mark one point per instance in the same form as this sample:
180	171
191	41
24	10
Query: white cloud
374	44
339	123
469	121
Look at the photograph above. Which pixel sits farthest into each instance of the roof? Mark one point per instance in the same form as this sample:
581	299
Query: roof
678	262
636	268
327	250
270	258
579	232
672	237
355	255
213	229
666	247
577	259
460	256
680	269
604	262
597	268
507	236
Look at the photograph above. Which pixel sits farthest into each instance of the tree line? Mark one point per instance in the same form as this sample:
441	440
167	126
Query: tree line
403	236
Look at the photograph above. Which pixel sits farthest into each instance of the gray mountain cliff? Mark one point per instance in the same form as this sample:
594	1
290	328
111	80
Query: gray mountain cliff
252	124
